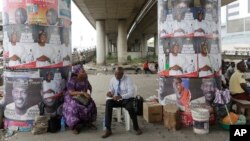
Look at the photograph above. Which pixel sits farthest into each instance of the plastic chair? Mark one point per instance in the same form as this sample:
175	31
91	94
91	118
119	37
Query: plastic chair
124	112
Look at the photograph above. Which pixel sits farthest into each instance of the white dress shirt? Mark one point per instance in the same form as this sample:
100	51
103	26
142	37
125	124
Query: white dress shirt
46	51
203	61
30	114
200	24
15	50
126	85
176	60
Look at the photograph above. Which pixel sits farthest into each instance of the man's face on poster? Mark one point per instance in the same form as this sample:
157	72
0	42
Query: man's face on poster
51	16
20	16
208	90
48	99
20	95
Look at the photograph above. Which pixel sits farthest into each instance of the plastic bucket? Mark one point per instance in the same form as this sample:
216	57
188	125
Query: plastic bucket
200	120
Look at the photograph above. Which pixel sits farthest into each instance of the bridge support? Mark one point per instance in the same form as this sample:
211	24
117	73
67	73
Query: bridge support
100	42
122	42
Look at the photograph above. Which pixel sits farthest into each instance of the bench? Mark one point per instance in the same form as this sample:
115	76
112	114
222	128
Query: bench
242	104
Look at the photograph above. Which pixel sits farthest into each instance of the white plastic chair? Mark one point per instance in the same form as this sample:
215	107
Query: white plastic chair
124	112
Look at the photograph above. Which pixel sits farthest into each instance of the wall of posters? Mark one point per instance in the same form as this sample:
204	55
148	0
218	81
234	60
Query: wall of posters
37	58
25	90
39	41
189	53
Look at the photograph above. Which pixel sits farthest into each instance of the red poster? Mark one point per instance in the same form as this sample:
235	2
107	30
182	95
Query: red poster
43	12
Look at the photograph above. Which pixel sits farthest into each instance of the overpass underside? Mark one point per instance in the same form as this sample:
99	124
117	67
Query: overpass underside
123	27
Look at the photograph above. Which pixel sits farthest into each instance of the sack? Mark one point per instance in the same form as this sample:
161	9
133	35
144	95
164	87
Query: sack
138	104
54	124
40	125
82	99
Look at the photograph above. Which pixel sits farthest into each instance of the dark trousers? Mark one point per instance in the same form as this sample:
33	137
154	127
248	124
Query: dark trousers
127	104
242	96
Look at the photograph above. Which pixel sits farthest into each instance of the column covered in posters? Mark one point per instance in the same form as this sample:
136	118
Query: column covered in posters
189	53
37	58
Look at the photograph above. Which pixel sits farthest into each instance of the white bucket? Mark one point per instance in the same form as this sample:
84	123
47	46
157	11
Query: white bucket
200	120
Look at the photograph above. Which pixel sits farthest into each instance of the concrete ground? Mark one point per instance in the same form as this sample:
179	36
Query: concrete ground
147	85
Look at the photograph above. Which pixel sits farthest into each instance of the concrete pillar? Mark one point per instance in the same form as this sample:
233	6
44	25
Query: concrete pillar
144	48
106	45
100	42
31	63
156	44
110	46
122	42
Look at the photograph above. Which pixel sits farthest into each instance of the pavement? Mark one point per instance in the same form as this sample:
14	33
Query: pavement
146	85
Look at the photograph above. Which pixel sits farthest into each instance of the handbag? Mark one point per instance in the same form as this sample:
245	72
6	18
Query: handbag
82	99
138	104
54	122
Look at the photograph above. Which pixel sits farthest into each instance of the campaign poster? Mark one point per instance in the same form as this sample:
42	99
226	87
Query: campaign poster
187	93
42	12
64	9
25	94
189	39
14	12
34	46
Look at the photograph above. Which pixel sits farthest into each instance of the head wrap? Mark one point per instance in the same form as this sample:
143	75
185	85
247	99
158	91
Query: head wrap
77	68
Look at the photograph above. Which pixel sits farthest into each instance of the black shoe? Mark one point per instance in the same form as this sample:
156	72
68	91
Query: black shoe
138	132
107	134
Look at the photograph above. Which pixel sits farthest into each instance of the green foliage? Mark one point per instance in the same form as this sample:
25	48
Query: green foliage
129	59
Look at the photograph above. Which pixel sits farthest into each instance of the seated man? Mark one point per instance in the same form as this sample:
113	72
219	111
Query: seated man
237	83
121	94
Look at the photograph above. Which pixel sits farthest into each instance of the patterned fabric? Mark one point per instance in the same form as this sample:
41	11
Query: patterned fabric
75	113
77	68
222	97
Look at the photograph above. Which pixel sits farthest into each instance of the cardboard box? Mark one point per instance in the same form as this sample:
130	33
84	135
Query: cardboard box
152	112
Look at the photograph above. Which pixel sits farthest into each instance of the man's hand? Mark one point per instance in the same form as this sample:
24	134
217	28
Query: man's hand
205	68
116	98
109	94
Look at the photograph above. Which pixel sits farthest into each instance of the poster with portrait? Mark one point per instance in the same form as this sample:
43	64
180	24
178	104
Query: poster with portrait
25	95
64	9
34	46
202	89
14	12
189	39
42	12
53	86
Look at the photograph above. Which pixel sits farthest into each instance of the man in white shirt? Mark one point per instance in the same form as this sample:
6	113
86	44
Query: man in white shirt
176	61
179	25
121	94
200	26
43	51
15	51
205	68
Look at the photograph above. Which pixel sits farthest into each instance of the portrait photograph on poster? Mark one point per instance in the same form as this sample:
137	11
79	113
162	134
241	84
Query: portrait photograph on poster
42	15
34	46
64	9
208	64
173	89
53	85
15	12
26	94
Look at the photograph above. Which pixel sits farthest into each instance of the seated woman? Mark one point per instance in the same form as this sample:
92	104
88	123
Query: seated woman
75	113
